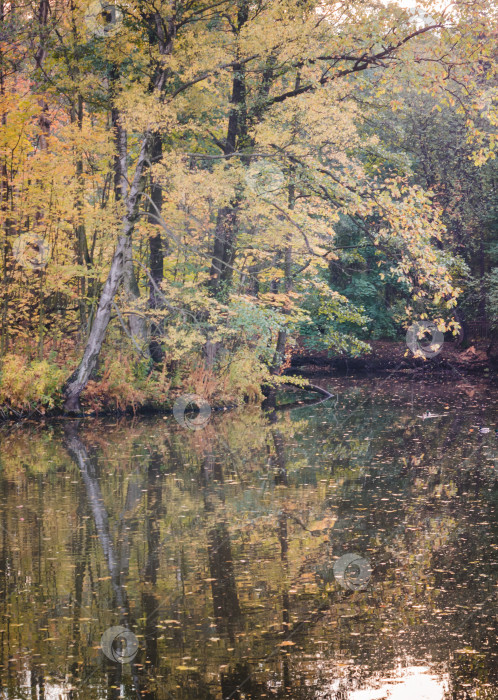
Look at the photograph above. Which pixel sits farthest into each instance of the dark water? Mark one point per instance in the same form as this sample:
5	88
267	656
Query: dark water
345	551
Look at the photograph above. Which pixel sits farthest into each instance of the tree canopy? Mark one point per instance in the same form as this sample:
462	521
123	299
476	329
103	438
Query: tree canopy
187	188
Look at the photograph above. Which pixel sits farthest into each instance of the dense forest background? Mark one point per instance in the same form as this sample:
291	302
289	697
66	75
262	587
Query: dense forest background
191	190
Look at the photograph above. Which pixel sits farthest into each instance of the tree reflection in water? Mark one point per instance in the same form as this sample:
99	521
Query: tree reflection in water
216	548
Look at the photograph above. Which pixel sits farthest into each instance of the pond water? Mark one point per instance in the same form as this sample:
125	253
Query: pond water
346	550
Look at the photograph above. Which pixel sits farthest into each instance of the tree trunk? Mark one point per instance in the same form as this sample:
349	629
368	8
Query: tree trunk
136	322
80	377
44	118
77	382
221	273
82	252
4	206
225	236
156	257
279	356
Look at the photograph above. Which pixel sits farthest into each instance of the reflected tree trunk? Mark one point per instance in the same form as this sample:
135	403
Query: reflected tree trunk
82	543
239	683
150	598
223	586
281	473
78	452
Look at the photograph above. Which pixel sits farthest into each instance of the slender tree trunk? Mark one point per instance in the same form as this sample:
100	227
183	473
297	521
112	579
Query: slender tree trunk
44	118
44	123
225	237
156	257
4	204
82	252
80	377
279	355
223	256
221	272
136	321
162	34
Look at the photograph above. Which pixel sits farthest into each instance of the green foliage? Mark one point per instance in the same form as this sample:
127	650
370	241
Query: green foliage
332	320
370	291
492	306
435	139
254	326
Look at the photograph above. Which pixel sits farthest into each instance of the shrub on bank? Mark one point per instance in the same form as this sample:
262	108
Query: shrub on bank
29	384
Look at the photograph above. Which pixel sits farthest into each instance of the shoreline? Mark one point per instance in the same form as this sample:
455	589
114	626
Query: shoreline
394	357
388	358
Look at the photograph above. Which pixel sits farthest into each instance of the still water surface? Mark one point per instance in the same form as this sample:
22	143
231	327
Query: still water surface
219	551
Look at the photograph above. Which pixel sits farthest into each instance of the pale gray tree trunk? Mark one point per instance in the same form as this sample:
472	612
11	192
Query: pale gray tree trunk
136	321
82	374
